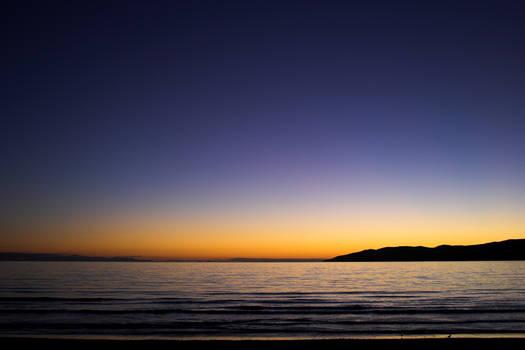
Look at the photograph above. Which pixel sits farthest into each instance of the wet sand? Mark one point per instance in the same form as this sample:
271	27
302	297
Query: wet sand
420	343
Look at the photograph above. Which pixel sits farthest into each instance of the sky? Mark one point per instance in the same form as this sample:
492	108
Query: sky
277	129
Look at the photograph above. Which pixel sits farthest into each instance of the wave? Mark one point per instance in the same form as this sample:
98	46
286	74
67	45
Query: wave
261	310
368	292
60	299
225	329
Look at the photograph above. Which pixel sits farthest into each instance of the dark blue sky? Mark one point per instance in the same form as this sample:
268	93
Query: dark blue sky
116	101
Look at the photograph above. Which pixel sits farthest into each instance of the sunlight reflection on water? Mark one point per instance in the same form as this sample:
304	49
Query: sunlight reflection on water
251	300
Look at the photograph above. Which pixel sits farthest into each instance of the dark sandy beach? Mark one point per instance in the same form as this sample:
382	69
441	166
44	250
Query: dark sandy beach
421	343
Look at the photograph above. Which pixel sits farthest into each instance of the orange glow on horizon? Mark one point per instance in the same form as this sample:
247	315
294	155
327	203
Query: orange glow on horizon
317	228
294	237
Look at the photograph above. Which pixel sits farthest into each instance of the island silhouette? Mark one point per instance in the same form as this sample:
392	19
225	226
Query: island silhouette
512	249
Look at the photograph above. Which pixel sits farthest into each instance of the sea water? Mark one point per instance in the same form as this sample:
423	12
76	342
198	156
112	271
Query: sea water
187	300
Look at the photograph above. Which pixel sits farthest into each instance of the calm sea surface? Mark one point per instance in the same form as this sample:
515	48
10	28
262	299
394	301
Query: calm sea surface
262	300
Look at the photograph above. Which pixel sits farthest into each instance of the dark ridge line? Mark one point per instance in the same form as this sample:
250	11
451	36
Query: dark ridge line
512	249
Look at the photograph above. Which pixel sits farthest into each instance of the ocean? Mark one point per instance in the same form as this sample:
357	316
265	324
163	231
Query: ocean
243	300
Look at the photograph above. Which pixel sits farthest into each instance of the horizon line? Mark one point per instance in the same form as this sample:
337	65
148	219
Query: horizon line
40	256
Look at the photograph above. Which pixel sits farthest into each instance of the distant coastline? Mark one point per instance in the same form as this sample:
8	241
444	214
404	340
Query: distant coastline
512	249
61	257
72	258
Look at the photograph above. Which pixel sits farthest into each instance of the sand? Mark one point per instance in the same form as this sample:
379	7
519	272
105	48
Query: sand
420	343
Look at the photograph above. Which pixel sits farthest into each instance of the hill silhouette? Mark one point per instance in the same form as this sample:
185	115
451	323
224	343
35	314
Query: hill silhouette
512	249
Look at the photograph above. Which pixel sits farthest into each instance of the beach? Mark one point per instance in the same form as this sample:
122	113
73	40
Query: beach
471	343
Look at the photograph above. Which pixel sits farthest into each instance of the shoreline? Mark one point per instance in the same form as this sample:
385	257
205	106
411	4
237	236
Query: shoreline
335	343
363	337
